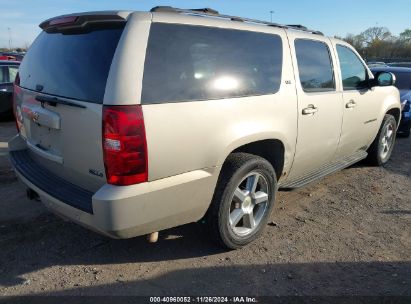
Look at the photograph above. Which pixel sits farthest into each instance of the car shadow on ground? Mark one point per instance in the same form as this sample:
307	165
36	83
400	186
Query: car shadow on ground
401	157
47	241
343	278
400	154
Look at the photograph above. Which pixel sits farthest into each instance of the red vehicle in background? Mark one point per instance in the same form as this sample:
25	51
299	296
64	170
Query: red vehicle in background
12	56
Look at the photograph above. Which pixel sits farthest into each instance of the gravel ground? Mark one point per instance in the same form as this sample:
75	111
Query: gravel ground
348	234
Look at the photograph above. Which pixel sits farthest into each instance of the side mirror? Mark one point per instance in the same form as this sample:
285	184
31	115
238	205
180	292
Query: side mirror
384	79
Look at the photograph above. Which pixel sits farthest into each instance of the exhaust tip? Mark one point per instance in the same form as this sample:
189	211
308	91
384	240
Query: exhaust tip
152	237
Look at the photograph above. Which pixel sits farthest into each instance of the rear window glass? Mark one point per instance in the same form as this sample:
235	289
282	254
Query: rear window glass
187	63
72	65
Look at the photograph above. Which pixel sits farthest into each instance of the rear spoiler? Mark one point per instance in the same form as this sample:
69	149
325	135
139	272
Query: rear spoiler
82	20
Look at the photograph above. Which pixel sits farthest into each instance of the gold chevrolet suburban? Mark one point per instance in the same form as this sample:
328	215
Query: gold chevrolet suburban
133	122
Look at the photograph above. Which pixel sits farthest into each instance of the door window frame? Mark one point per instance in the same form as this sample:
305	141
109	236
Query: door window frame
367	75
331	91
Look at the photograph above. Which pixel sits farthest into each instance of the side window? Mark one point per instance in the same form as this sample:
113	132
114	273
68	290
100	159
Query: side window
3	75
314	65
187	63
13	73
353	71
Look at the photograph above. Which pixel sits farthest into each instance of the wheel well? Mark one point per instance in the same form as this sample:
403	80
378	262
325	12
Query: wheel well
270	149
396	113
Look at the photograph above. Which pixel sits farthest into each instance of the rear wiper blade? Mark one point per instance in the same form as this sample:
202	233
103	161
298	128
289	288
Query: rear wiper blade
55	100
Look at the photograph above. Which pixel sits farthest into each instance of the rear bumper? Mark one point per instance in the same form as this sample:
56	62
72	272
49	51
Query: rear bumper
124	212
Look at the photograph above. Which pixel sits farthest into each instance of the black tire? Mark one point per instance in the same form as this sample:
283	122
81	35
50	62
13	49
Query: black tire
375	155
236	168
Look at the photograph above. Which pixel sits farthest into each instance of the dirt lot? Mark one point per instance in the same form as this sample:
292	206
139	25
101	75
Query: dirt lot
348	234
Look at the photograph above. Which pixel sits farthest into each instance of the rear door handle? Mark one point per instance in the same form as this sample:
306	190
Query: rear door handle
310	110
351	104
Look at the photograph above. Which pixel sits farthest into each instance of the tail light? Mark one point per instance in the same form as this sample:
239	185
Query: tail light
124	145
17	114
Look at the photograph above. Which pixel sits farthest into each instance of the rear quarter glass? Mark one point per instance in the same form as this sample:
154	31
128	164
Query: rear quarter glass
188	63
72	65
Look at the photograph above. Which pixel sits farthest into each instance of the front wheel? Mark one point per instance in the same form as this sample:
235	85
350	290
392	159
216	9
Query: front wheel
380	150
243	200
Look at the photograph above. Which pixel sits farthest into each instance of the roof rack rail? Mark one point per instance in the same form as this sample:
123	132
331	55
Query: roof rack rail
213	13
205	10
304	28
298	26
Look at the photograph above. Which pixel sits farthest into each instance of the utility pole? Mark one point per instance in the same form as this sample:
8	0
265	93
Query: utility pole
271	16
10	41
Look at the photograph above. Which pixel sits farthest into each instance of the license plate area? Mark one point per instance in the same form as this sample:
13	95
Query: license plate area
43	129
45	138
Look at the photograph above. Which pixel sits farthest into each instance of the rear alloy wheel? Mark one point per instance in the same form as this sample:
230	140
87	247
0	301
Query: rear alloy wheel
248	204
243	200
380	150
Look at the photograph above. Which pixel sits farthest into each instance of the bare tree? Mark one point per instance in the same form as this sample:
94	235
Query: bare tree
374	34
379	43
357	41
406	35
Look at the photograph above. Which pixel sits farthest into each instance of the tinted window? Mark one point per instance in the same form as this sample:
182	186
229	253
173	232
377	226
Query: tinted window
8	73
353	71
13	73
71	65
403	81
185	63
3	74
314	65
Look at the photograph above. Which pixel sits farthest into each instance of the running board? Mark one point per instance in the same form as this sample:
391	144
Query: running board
323	171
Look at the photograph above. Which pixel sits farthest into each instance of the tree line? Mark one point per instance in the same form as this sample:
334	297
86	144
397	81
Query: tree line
377	43
19	50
